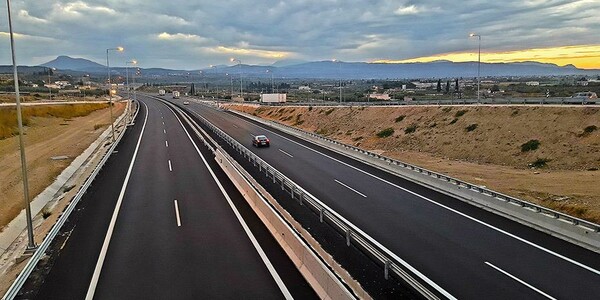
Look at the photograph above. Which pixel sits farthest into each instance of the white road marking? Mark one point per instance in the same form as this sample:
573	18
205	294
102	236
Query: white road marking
164	131
346	186
520	281
438	204
170	167
235	126
163	123
177	214
286	153
286	293
166	143
113	220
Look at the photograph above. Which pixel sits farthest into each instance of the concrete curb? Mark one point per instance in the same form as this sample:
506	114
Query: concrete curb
559	228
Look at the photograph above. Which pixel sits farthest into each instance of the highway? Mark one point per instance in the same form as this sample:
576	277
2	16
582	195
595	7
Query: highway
469	252
162	221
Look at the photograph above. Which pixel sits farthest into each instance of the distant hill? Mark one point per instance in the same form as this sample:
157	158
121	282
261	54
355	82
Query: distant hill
76	64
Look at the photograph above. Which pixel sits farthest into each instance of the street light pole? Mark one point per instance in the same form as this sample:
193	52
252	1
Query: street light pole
30	241
340	75
478	62
241	80
110	104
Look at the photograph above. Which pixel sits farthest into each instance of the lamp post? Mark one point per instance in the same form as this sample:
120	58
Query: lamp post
272	88
340	75
478	61
127	63
230	85
49	87
112	126
30	241
241	82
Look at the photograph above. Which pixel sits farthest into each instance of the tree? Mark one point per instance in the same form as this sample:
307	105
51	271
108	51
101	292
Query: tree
456	87
448	87
439	85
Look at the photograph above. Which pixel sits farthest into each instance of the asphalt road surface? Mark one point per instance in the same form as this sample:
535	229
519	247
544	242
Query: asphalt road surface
469	252
161	222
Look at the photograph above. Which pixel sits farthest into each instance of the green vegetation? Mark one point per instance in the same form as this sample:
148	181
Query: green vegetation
8	116
471	127
590	129
410	129
386	132
400	118
539	163
453	121
329	111
530	145
460	113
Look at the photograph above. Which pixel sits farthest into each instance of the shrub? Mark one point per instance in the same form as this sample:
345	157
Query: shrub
386	132
539	163
46	213
329	111
460	113
453	121
358	138
410	129
530	145
400	118
471	127
590	129
309	108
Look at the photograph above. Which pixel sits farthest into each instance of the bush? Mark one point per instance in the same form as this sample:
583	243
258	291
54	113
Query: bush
46	213
385	133
530	146
460	113
590	129
471	127
329	111
539	163
309	108
400	118
410	129
453	121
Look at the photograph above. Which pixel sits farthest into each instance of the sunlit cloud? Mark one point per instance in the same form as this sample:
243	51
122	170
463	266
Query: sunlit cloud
20	36
582	56
252	52
407	10
181	37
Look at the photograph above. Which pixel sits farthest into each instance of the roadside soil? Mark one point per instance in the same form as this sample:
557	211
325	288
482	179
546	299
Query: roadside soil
481	145
44	139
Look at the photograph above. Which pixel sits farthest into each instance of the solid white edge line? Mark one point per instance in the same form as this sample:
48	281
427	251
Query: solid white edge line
284	290
520	281
113	220
177	213
442	205
286	153
170	167
348	187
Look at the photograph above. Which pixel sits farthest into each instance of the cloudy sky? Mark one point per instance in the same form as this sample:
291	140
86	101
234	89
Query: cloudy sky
194	34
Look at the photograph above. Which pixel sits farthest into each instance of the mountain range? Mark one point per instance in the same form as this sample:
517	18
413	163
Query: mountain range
346	70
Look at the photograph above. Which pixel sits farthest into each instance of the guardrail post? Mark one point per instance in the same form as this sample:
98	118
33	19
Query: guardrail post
300	196
273	176
292	192
282	184
386	270
321	215
348	233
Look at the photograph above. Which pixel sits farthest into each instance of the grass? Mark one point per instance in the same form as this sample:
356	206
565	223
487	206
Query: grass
410	129
386	132
471	127
530	145
8	115
400	118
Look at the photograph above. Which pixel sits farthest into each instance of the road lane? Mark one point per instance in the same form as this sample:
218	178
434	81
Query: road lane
440	236
177	234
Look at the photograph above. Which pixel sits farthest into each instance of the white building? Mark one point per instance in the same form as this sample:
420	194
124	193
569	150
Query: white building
532	83
380	96
304	88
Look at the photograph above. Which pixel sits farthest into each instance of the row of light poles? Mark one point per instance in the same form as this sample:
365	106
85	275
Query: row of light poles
478	61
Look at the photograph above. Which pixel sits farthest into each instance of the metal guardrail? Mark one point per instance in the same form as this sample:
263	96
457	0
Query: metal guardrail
460	183
43	247
390	262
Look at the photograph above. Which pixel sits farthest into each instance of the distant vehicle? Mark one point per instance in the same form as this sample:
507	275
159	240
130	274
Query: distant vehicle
583	98
161	92
176	94
186	102
260	140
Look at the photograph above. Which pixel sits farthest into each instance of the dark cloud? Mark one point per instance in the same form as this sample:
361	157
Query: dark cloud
194	34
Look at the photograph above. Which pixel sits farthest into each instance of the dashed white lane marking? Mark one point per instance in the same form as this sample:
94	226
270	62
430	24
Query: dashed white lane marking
165	131
520	281
166	144
348	187
286	153
177	214
170	167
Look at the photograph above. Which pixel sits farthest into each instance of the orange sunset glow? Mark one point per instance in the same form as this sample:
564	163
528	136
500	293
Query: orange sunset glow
581	56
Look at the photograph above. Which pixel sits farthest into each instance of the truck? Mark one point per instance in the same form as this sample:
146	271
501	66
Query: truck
161	92
175	94
273	98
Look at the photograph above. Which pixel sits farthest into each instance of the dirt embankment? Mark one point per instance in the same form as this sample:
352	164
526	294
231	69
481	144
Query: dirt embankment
547	155
45	138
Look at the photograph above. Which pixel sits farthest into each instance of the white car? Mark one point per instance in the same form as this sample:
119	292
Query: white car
186	102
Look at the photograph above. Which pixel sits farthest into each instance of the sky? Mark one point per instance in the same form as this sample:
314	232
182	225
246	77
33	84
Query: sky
195	34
